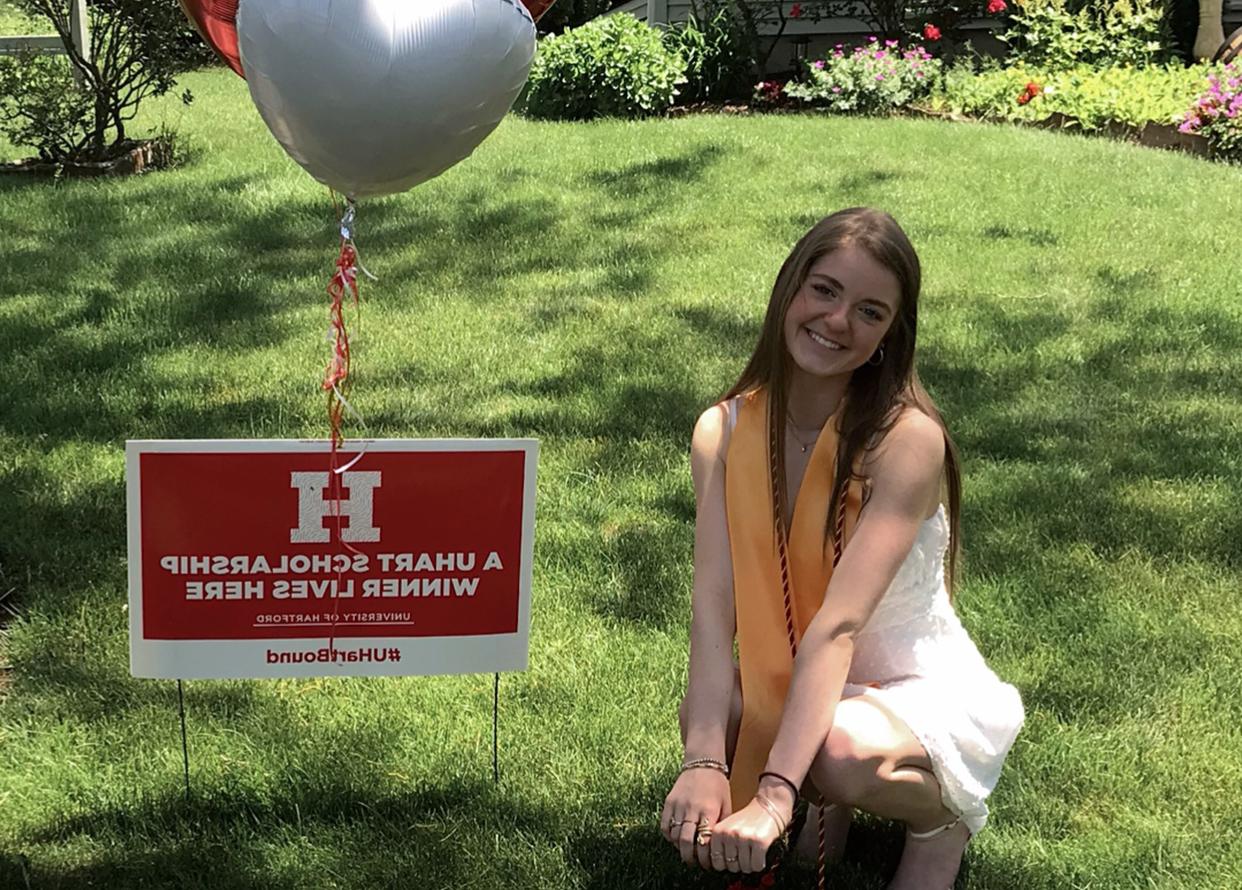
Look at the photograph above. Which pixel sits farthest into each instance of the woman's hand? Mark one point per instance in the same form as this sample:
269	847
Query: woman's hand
740	843
699	799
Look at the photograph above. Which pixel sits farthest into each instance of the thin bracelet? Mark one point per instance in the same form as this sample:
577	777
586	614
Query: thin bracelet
780	778
773	812
705	763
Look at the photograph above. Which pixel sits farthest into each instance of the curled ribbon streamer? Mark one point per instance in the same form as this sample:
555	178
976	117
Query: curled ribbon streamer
344	284
349	409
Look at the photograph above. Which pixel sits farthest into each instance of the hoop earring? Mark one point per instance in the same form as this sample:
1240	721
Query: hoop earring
880	353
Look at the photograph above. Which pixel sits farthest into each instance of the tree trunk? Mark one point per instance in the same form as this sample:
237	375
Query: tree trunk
1211	29
99	134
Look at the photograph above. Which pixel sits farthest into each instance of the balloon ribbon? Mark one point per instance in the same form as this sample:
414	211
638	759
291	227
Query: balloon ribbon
342	287
336	377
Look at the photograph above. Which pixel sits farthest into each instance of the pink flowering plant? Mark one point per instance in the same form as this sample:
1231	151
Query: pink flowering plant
874	78
1217	113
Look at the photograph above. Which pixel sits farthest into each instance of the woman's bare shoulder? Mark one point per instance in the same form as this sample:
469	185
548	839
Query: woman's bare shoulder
712	432
911	454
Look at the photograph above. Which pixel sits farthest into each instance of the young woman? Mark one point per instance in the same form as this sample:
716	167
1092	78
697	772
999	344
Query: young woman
820	548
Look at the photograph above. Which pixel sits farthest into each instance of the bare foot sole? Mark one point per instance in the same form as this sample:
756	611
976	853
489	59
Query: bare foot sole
836	831
931	863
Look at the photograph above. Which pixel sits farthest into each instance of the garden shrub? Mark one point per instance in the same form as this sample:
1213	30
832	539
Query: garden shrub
712	43
43	108
615	66
135	54
1056	34
1094	96
1217	112
871	79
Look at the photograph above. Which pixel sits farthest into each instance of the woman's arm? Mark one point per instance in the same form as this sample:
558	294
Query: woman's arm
713	621
704	793
906	469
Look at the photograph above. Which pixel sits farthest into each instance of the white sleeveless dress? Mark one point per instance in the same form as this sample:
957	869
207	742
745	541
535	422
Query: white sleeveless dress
914	657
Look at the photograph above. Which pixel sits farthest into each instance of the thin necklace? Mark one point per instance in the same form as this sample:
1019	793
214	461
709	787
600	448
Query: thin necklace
793	429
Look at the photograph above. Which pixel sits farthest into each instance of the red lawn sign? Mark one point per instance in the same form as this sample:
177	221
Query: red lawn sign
236	567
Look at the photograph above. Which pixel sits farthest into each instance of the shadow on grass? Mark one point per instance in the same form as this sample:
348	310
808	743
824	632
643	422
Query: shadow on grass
609	859
428	837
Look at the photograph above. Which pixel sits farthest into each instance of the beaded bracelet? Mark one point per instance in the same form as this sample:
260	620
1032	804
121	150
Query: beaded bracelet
706	763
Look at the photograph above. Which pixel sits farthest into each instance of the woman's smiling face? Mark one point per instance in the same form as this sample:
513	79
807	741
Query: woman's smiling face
838	318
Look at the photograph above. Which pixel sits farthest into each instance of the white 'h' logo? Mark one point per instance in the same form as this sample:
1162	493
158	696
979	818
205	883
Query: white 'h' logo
313	507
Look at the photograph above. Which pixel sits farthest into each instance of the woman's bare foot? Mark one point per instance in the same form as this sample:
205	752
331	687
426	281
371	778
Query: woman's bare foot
836	831
931	863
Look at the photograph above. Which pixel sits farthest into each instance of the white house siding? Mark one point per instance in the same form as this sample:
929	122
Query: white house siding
823	35
820	37
636	8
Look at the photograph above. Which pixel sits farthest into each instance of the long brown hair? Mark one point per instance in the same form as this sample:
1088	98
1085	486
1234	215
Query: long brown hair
876	394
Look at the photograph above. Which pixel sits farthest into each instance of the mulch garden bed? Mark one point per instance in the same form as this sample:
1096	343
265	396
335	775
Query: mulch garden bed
132	157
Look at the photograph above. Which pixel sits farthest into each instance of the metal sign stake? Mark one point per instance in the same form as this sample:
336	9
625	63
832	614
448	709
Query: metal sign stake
185	750
496	730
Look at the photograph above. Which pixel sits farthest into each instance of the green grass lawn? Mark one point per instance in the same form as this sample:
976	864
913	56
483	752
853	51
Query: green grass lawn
596	286
14	23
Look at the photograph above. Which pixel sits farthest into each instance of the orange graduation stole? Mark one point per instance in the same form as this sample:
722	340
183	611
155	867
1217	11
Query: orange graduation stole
767	619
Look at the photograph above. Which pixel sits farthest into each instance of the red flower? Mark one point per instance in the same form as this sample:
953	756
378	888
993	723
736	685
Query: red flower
767	880
1030	92
795	11
995	6
931	32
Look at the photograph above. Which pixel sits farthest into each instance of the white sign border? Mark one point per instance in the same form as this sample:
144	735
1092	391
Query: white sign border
418	656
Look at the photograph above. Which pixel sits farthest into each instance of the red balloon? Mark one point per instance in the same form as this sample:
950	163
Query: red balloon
216	21
538	7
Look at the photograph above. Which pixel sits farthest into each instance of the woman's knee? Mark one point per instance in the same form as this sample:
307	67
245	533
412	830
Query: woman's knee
847	769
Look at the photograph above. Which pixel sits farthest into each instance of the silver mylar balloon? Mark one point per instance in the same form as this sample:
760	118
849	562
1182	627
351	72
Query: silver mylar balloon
374	97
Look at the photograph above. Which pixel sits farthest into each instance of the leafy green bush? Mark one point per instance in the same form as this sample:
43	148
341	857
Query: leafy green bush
871	79
714	46
1095	96
615	66
134	54
43	107
1053	34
